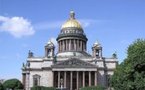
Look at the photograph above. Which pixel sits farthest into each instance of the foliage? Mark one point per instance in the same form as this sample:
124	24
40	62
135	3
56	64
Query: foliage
13	84
93	88
1	86
130	74
42	88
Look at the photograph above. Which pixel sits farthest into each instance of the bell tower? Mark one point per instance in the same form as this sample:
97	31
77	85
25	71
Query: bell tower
97	50
49	49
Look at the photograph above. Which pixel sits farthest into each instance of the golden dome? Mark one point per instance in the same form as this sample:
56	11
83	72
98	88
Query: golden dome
71	22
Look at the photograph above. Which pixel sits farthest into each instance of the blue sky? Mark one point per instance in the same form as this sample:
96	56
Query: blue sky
28	24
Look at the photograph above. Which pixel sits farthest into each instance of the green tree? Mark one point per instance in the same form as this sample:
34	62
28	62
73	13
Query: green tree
1	86
13	84
130	74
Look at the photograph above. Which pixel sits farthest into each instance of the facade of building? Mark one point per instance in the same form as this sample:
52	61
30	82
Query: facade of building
71	67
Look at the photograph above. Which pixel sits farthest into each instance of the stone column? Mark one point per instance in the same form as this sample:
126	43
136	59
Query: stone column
60	45
75	45
77	80
83	78
63	45
39	81
101	53
71	75
69	44
89	78
24	80
64	79
84	46
27	81
78	48
52	78
58	79
66	45
81	45
95	78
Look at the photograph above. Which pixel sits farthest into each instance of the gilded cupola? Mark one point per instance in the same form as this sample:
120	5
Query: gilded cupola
71	22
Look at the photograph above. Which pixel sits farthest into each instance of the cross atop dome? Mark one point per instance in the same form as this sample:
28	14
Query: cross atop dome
72	15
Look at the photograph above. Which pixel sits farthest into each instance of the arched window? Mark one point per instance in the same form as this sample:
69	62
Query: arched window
36	80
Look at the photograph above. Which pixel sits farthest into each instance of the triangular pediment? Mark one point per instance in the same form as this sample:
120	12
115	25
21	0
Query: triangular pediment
74	62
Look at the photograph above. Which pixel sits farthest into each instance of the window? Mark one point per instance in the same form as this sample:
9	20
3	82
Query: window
97	53
36	80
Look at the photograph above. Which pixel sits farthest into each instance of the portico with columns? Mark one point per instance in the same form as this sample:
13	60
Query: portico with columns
73	80
74	74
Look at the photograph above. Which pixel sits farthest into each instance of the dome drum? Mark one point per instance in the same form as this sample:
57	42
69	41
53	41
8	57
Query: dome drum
75	38
67	45
72	30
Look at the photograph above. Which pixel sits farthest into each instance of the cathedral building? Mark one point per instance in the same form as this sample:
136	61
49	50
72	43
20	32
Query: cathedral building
71	67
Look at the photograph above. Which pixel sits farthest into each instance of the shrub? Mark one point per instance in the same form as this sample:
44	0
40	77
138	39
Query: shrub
1	86
42	88
93	88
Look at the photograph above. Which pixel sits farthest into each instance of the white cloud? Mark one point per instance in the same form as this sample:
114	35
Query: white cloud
16	26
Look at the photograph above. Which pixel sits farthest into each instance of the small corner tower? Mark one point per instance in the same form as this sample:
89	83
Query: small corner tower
49	49
97	50
30	54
